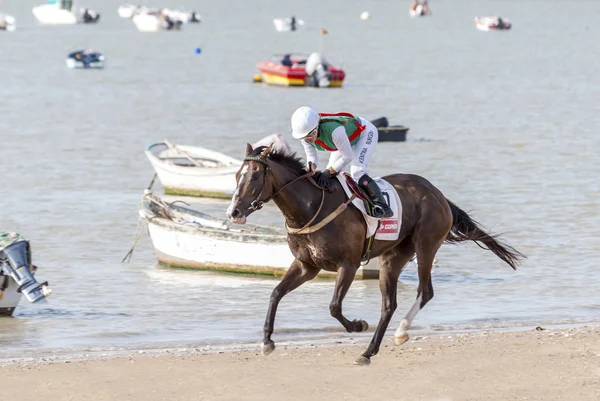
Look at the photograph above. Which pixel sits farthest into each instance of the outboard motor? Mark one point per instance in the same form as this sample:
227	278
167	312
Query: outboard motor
317	72
15	260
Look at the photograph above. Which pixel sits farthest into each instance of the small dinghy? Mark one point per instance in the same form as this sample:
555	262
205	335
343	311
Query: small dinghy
85	59
197	171
128	10
154	22
419	9
492	24
287	24
17	274
387	133
7	22
61	12
184	237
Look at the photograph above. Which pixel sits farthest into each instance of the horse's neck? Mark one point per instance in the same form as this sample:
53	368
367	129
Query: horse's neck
299	201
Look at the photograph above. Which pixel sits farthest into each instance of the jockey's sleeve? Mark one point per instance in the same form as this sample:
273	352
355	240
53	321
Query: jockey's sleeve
342	143
311	152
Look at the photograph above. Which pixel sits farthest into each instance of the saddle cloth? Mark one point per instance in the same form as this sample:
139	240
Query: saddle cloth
389	229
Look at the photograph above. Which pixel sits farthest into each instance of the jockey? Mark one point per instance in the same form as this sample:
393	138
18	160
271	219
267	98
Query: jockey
351	140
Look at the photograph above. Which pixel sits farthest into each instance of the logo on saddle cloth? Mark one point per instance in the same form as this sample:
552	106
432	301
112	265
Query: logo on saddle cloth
389	229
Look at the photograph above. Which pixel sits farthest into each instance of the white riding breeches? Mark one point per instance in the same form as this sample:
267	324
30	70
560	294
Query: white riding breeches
362	150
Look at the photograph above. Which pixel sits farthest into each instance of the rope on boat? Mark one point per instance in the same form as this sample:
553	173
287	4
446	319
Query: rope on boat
135	240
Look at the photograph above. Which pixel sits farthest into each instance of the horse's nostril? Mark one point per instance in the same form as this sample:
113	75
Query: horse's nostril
235	213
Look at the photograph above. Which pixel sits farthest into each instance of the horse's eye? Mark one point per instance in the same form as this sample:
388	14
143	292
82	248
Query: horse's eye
254	176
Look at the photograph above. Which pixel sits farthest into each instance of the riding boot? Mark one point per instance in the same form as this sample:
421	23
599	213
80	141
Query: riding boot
381	209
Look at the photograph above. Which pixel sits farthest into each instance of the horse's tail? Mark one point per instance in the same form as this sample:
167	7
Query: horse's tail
464	228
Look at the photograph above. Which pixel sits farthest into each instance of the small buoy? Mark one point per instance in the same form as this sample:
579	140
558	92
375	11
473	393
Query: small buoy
257	78
365	15
197	50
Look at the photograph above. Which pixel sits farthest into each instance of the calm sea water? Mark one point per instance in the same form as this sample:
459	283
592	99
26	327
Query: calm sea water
504	123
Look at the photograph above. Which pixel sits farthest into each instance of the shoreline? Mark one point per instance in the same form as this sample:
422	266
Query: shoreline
551	364
102	353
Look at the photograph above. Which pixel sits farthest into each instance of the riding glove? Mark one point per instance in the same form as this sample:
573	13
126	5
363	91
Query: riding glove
324	179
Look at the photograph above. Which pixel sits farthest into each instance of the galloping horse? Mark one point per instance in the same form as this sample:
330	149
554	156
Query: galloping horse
333	238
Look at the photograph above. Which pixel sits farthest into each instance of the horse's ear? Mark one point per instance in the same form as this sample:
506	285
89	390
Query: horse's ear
265	153
248	149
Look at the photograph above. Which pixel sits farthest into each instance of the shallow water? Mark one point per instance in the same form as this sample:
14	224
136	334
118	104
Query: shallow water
502	122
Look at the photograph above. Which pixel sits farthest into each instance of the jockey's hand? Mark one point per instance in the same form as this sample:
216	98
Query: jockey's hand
312	168
324	179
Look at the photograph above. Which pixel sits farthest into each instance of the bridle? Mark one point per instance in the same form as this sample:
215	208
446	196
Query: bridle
257	203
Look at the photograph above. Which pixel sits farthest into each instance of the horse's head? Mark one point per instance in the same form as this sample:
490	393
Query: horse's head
254	184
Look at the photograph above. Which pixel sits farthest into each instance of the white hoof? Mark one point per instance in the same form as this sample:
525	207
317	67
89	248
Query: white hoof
400	338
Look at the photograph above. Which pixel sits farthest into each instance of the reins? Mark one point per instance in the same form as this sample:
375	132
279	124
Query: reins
257	203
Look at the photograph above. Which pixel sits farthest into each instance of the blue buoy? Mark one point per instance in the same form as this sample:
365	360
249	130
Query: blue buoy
197	50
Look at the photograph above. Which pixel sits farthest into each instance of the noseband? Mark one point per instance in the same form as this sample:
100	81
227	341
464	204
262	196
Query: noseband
257	203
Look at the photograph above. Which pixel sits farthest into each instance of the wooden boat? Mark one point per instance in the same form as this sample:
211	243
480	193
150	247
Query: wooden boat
289	69
492	24
186	238
197	171
17	274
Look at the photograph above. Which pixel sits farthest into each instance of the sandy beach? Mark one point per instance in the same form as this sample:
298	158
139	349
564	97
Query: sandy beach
549	364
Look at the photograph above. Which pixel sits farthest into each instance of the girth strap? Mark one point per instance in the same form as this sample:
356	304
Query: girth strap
308	229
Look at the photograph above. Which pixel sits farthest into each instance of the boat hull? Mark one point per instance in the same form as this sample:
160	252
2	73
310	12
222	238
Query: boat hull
10	297
210	182
487	24
392	134
52	14
274	73
188	245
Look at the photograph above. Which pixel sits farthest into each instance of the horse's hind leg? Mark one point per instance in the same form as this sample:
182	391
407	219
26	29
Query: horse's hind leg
391	264
425	256
345	276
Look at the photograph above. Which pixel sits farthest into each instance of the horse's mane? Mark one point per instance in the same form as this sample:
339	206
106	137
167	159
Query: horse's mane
288	159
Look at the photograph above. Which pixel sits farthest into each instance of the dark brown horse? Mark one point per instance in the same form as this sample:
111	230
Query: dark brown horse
428	220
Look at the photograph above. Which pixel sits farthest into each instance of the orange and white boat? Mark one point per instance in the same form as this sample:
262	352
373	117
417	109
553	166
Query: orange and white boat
289	70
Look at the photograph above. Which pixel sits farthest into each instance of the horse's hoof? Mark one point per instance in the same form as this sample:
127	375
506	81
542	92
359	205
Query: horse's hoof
267	348
401	339
365	325
363	361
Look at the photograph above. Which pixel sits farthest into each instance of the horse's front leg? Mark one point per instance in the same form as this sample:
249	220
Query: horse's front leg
297	274
345	276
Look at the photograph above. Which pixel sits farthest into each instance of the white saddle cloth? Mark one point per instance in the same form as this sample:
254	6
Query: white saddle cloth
389	229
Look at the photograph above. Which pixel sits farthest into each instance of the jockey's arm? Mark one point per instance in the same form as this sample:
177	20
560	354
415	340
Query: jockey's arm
344	148
311	153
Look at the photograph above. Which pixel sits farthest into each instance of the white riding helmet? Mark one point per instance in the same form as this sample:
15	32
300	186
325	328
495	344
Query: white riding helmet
304	120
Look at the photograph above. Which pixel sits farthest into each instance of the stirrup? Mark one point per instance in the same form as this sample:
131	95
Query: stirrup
377	212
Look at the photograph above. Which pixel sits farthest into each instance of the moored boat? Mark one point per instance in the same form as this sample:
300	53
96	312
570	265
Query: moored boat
186	238
85	59
387	133
61	12
197	171
492	24
154	22
288	24
291	69
7	22
17	274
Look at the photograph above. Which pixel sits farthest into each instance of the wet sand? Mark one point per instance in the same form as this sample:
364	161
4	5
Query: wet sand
550	364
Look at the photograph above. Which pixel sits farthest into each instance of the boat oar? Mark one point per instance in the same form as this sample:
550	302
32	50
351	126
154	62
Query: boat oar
182	152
